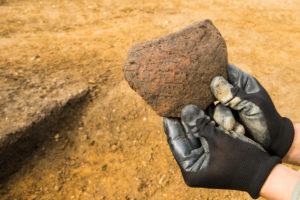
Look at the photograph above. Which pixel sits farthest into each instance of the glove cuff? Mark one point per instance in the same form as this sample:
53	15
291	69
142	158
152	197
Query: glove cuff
285	138
263	170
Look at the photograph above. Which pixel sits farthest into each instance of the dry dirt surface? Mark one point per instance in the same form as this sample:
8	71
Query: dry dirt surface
112	145
31	102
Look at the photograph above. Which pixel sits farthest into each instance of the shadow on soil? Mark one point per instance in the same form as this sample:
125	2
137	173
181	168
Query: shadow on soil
13	156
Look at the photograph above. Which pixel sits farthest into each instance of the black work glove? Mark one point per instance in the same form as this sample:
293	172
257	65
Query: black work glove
211	157
256	110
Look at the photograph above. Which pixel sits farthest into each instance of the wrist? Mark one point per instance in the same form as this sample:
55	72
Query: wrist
280	184
293	155
260	171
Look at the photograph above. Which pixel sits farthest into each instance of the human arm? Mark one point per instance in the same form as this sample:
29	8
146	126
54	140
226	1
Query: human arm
280	185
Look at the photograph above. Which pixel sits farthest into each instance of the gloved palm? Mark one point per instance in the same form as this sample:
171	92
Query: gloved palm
256	110
211	157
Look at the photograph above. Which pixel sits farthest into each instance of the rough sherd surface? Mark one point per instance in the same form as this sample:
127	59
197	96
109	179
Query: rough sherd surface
28	100
175	70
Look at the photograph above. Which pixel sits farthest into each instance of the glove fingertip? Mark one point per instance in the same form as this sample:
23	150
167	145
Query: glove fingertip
221	89
172	127
190	114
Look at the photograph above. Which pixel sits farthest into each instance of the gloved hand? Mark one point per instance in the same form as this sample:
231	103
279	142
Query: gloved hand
211	157
256	110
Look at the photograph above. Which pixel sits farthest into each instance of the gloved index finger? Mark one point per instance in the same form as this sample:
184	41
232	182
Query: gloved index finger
224	118
179	144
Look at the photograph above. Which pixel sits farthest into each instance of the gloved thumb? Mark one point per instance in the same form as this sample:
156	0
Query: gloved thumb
227	94
194	119
222	89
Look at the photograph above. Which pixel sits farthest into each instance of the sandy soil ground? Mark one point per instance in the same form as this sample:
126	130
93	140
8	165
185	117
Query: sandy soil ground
112	146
